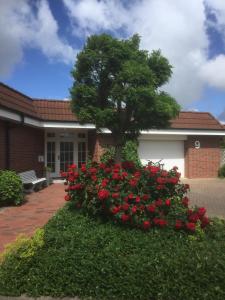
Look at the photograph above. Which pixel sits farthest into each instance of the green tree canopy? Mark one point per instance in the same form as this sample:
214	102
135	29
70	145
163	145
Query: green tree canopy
117	86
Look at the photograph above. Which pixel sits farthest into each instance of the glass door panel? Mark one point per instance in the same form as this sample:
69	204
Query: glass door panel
51	156
66	155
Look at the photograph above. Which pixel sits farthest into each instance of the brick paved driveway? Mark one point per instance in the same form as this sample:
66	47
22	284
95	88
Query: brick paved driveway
36	212
209	193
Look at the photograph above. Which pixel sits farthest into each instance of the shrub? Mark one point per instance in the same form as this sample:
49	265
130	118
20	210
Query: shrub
108	154
11	188
221	172
141	197
130	153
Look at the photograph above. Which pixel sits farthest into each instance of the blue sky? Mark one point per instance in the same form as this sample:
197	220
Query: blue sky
40	39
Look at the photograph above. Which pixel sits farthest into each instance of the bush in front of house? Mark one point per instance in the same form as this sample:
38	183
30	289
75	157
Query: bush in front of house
143	197
221	172
11	188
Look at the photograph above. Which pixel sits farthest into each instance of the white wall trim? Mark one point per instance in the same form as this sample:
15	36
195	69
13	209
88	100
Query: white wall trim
67	125
162	137
6	114
183	132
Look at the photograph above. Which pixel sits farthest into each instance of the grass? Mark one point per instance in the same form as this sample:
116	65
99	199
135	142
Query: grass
79	256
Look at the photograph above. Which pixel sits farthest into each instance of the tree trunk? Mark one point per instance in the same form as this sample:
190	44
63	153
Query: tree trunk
118	142
118	153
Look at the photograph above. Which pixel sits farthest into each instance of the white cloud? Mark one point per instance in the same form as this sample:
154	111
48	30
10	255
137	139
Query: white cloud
175	27
213	72
21	27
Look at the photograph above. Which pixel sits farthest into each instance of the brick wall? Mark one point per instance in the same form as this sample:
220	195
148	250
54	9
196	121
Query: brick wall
2	145
26	144
203	162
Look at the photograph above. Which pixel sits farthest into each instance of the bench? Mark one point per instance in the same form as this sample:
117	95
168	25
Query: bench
31	182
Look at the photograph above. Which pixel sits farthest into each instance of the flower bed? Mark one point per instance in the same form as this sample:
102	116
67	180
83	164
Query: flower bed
144	198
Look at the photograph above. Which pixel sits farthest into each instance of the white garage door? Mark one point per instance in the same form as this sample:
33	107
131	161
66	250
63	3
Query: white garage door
171	153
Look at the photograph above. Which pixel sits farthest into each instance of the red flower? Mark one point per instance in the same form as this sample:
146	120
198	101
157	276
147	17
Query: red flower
73	166
145	197
168	202
133	182
178	224
93	170
94	178
83	168
103	194
130	196
164	173
77	186
190	226
137	199
201	211
126	198
102	166
125	217
67	198
124	174
193	217
115	195
63	174
108	170
104	182
153	169
160	180
160	222
137	174
116	176
115	210
159	202
185	201
134	209
125	206
146	225
204	221
151	208
142	207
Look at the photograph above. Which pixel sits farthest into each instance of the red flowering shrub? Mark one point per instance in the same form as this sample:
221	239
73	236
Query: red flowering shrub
145	197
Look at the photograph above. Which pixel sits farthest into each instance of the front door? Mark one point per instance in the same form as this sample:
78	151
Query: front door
66	155
64	149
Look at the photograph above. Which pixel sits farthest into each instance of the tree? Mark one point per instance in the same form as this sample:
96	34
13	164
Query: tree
116	86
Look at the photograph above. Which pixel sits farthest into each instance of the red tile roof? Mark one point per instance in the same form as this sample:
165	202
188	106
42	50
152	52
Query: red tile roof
196	120
16	101
59	110
54	110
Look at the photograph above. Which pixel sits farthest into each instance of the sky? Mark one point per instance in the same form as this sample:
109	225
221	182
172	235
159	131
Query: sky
40	40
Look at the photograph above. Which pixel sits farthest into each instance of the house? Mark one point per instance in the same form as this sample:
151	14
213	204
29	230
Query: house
37	132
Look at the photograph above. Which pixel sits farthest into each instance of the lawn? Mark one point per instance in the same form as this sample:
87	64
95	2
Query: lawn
80	256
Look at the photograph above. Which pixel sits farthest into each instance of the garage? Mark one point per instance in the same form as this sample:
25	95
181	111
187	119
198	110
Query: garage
170	153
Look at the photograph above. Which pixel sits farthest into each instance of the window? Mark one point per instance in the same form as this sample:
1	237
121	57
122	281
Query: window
66	155
81	153
51	156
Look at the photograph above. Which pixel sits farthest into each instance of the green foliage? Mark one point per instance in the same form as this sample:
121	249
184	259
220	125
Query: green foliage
221	172
116	86
130	153
108	155
93	260
11	188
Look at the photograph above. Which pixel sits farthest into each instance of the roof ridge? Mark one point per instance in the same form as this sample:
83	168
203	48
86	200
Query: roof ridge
51	100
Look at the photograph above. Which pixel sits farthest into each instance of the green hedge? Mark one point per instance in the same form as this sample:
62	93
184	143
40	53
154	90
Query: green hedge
11	188
221	172
80	256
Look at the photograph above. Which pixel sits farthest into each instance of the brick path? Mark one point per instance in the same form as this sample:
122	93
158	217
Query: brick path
209	193
38	209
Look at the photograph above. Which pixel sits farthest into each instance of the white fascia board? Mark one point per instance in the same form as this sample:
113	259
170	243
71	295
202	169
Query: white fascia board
174	132
67	125
6	114
183	132
33	122
162	137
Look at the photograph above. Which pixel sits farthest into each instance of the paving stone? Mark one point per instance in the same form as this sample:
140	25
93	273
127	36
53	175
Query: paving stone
34	213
